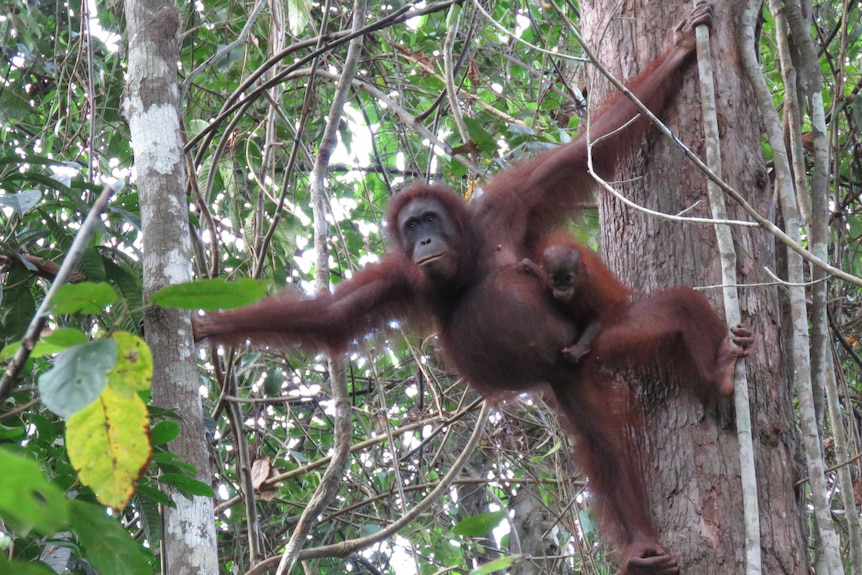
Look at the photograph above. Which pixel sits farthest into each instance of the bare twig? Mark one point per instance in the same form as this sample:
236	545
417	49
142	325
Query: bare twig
331	481
66	270
346	548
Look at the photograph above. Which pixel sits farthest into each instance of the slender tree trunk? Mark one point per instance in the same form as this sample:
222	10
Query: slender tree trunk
152	110
532	523
689	450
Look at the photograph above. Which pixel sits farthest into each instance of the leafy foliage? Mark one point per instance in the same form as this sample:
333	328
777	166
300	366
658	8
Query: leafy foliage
253	117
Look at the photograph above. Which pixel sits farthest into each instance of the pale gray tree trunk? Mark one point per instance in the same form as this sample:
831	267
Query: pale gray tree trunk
532	522
690	451
151	107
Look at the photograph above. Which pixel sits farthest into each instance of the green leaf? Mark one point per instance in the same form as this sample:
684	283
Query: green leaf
587	525
169	463
145	491
19	307
479	525
85	297
22	568
27	499
106	544
78	377
452	15
55	342
108	444
497	565
210	295
187	485
273	382
225	61
58	340
12	433
151	519
92	265
23	202
13	106
127	285
483	140
163	432
297	15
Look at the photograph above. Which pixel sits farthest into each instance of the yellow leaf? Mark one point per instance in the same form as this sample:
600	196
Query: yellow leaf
133	371
109	445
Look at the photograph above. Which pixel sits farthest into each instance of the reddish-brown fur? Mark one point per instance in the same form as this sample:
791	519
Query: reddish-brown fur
577	278
601	292
674	327
496	324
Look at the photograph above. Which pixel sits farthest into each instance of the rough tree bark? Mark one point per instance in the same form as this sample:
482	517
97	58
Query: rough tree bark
688	450
151	107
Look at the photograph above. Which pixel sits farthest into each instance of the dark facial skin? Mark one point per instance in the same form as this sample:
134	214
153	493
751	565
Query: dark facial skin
564	274
429	236
563	266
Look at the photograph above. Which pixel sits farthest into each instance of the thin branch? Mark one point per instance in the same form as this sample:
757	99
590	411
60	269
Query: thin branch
240	40
475	100
342	432
727	252
76	251
823	367
307	103
798	330
449	75
239	100
86	21
244	471
515	38
346	548
402	114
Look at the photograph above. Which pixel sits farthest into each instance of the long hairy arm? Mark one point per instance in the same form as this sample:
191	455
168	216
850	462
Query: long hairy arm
555	183
367	302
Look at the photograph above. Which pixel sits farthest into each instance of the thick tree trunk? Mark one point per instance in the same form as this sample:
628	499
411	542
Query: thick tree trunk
151	107
689	451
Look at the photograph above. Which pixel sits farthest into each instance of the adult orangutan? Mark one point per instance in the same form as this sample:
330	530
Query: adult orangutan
455	264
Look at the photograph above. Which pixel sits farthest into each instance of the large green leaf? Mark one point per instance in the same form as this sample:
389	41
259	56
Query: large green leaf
22	568
84	297
479	525
106	544
27	499
210	295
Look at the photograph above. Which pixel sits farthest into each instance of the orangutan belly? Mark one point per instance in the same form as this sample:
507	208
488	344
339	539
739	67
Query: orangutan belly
507	333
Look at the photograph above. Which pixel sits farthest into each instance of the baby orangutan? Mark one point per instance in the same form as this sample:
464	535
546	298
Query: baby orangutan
675	326
574	274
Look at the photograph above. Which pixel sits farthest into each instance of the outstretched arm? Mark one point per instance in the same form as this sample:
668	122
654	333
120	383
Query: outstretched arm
610	140
555	183
374	296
